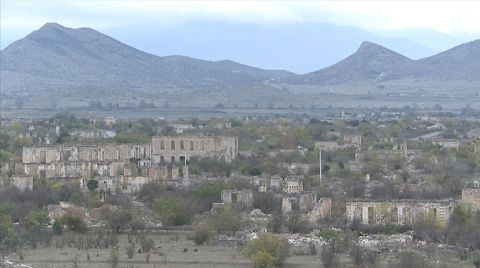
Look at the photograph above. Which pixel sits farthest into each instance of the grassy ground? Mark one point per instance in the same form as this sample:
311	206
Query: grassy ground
169	252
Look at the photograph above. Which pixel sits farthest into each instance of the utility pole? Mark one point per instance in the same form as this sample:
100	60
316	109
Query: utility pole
320	168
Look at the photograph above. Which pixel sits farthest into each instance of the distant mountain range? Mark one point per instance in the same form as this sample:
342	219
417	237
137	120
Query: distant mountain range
60	58
55	56
374	63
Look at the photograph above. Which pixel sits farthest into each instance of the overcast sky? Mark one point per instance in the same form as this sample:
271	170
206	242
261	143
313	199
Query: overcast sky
19	17
452	22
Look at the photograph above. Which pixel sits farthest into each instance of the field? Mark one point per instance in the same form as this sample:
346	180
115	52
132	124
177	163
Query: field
169	252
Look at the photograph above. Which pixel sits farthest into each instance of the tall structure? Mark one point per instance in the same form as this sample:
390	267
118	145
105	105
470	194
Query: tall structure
405	150
320	168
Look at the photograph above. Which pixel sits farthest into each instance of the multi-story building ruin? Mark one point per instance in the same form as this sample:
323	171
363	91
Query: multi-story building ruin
123	166
181	148
399	211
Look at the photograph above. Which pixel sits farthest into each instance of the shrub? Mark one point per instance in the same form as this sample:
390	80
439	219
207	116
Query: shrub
202	234
262	259
273	245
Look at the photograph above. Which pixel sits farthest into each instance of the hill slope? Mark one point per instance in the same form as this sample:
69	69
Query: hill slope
369	62
373	63
58	57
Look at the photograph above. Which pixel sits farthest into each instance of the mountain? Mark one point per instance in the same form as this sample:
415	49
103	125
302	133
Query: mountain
459	63
59	57
373	63
299	47
369	62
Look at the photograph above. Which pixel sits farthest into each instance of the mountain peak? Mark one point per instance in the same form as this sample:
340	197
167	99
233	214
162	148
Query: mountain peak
52	25
368	47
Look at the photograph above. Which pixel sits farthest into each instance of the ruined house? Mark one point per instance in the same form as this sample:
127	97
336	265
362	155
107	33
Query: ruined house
398	211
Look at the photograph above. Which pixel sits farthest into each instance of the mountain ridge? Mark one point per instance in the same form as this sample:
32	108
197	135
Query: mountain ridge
58	57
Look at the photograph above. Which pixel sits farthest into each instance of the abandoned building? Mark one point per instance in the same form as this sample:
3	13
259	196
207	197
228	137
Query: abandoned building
76	161
471	197
293	184
94	134
239	200
307	204
398	211
22	183
179	149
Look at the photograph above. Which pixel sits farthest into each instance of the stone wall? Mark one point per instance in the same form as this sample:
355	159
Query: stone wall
398	211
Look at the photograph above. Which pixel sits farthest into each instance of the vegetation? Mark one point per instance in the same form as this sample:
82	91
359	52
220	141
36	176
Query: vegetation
267	247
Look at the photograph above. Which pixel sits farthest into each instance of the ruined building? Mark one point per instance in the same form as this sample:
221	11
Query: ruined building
471	197
398	211
124	167
179	149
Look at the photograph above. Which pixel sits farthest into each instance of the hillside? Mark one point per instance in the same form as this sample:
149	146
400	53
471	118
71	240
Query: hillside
374	63
56	57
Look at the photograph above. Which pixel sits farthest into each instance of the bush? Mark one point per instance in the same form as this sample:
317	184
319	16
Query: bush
114	256
130	250
271	244
74	223
262	259
202	234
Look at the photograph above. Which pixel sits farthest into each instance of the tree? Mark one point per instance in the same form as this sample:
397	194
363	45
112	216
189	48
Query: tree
202	234
114	256
262	259
171	211
328	255
92	185
225	220
8	236
271	244
130	250
119	219
356	253
74	223
33	224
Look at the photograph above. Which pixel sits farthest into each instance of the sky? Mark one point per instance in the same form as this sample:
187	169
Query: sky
457	20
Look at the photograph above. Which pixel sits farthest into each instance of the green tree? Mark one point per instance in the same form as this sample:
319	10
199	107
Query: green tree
74	223
33	224
8	236
92	185
225	220
114	256
262	259
273	245
202	234
171	211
